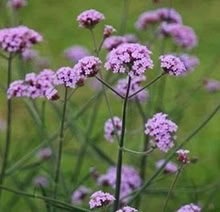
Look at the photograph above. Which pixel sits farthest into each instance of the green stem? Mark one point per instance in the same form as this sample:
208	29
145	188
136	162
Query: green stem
124	17
120	151
57	174
8	130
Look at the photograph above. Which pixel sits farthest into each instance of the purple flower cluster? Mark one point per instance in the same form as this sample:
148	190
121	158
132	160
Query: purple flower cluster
122	86
44	153
190	62
131	58
130	180
40	181
89	18
182	156
29	55
156	16
16	4
182	35
17	39
75	53
172	65
110	126
108	31
190	208
161	130
34	85
80	194
211	85
113	42
170	167
99	199
127	209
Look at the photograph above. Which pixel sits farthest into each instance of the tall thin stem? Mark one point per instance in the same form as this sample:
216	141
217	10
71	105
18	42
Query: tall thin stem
57	174
120	151
8	130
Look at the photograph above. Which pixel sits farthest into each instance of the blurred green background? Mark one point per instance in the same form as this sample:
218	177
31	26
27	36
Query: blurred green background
56	21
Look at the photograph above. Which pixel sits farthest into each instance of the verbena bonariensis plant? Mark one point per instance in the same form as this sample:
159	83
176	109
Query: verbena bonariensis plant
124	72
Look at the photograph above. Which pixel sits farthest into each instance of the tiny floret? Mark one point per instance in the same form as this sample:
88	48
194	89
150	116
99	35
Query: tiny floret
162	130
127	209
89	18
108	31
172	65
100	199
190	208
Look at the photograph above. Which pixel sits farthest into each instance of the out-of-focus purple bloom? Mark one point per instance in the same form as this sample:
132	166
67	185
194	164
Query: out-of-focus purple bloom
89	18
172	65
127	209
183	156
190	62
161	130
130	58
169	168
97	85
211	85
80	194
130	38
182	35
75	53
17	39
113	42
122	86
169	15
29	54
130	180
41	181
110	130
16	4
44	153
190	208
99	199
108	31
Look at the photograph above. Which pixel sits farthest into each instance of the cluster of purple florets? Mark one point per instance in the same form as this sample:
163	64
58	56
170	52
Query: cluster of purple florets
190	208
127	209
170	167
80	194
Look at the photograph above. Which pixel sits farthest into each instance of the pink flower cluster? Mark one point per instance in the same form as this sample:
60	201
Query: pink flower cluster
17	4
135	86
170	167
156	16
183	156
127	209
44	153
190	62
17	39
108	31
75	53
129	58
89	18
161	130
99	199
29	54
211	85
80	194
172	65
130	180
110	126
190	208
41	181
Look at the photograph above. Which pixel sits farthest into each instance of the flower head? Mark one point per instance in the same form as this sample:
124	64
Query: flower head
127	209
99	199
80	194
108	31
190	62
17	39
131	58
75	53
17	89
211	85
161	130
190	208
29	54
110	128
44	153
182	156
17	4
113	42
172	65
40	181
89	18
169	168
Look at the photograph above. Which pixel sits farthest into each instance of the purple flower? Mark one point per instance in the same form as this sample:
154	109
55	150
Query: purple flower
99	199
169	15
75	53
88	66
108	31
122	86
89	18
190	62
17	89
17	4
130	180
113	42
80	194
130	38
110	130
131	58
172	65
41	181
182	35
44	153
211	85
17	39
127	209
169	168
161	130
190	208
29	54
182	156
